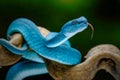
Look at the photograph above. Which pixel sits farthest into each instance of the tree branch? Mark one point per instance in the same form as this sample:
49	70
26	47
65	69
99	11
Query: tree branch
8	58
104	56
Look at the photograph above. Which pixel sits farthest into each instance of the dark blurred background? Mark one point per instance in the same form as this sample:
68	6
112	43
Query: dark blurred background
104	15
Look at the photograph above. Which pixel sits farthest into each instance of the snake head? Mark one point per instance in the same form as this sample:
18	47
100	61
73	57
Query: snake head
74	26
68	30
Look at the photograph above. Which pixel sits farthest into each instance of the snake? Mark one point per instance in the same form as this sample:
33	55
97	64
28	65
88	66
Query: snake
55	46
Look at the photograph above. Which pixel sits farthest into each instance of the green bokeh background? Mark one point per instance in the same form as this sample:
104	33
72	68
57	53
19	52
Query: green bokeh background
104	15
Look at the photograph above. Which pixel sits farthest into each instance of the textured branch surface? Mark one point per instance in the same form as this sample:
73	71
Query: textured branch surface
8	58
104	56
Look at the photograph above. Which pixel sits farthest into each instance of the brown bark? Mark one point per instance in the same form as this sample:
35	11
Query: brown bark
104	56
8	58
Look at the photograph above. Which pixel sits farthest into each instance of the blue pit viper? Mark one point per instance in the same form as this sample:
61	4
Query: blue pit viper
55	46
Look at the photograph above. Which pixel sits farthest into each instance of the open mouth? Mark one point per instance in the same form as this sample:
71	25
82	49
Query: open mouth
103	75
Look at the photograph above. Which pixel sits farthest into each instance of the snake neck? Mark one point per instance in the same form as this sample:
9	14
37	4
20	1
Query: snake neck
57	40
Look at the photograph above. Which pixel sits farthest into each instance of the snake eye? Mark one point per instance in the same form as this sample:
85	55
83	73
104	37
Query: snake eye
76	22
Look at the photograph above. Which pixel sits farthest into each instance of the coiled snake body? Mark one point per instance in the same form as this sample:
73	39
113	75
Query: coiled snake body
54	47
